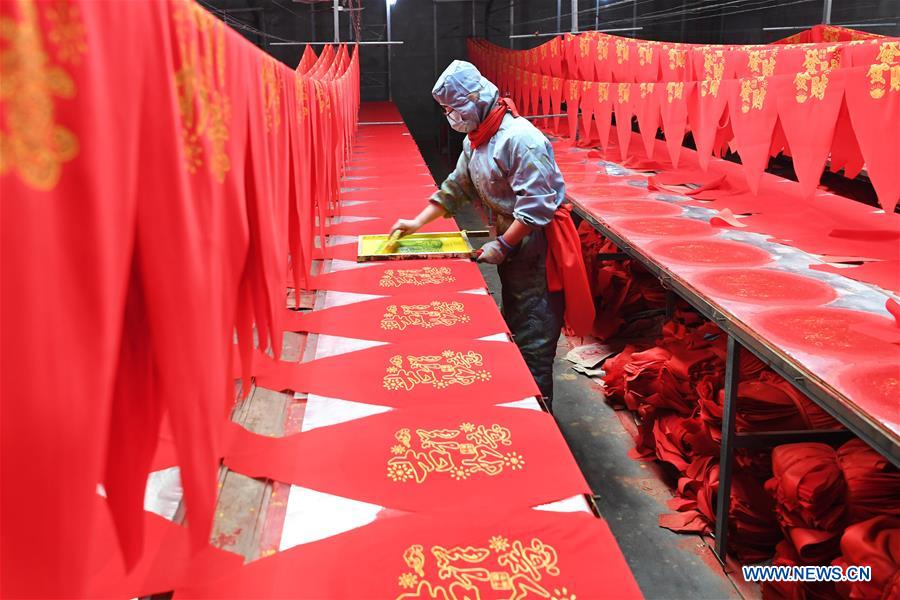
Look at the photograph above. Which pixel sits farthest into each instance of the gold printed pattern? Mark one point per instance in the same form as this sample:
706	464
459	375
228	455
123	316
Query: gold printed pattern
813	81
33	144
271	94
66	31
502	568
434	314
584	45
621	51
300	93
393	278
647	89
762	62
460	453
405	373
713	71
677	58
624	92
884	74
753	93
200	79
674	91
645	53
602	92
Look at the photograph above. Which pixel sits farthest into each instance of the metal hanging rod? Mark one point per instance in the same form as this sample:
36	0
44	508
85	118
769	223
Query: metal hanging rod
394	43
835	24
531	35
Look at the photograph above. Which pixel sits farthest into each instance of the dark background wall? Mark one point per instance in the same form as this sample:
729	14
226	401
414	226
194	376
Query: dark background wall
434	33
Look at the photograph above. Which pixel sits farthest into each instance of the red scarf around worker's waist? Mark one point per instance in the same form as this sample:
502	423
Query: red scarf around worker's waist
566	271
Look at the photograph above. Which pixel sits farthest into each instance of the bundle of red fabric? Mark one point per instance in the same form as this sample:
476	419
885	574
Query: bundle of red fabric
786	556
876	543
622	290
873	483
754	531
810	499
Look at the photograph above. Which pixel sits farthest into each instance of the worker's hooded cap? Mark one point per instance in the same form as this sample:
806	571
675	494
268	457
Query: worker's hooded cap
462	88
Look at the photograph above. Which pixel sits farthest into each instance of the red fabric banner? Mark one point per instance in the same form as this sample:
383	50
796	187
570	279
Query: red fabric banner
410	374
405	317
435	458
390	278
485	554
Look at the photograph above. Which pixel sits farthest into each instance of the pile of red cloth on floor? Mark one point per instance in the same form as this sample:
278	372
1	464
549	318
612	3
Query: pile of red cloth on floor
837	507
627	296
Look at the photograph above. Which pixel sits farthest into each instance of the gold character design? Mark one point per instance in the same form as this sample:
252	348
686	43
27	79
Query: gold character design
813	80
33	144
502	568
713	71
460	453
200	79
271	88
393	278
405	373
434	314
884	74
753	93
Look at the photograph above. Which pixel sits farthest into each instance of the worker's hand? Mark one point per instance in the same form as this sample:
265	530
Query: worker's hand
406	226
493	253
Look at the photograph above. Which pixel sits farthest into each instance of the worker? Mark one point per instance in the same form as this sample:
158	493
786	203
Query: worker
508	164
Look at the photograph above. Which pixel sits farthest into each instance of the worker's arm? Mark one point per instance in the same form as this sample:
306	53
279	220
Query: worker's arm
535	179
455	190
407	226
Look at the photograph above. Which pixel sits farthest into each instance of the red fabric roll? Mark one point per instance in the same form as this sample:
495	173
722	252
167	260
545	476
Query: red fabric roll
873	483
876	543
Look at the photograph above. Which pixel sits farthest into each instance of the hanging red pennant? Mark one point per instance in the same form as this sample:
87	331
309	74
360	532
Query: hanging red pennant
405	317
845	152
410	374
623	50
603	113
808	105
647	110
404	276
573	93
586	104
482	554
435	458
646	68
673	107
623	103
873	101
752	111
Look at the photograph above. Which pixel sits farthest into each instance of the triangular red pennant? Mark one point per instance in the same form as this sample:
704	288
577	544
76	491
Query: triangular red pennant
751	106
404	317
673	108
390	278
409	374
623	103
647	110
808	107
435	458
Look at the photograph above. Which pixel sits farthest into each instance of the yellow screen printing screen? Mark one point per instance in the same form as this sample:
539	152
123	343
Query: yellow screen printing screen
417	243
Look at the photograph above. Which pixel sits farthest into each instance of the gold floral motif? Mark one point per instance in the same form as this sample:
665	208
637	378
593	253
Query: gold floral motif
602	49
301	94
884	74
405	373
602	92
434	314
713	71
271	94
33	144
624	92
200	79
677	58
645	53
813	81
66	31
621	51
393	278
462	452
674	91
753	93
646	89
584	45
513	569
762	62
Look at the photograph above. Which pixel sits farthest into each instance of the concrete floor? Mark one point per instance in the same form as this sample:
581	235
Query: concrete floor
630	494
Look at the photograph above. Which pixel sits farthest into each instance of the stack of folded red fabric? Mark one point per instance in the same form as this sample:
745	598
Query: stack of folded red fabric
840	507
623	290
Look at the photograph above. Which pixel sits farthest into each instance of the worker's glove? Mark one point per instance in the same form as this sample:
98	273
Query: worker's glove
494	252
406	226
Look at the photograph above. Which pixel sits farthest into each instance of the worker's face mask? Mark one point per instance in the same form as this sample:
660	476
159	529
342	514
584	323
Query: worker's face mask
458	124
